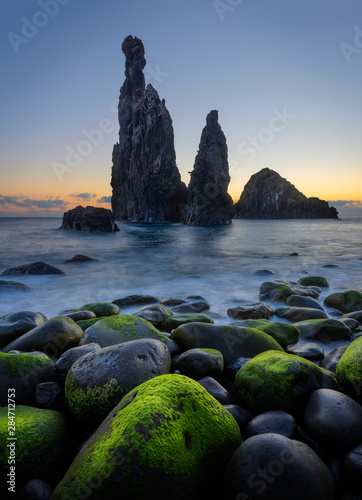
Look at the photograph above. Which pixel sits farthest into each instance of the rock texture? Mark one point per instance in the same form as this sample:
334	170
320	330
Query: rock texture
145	180
208	202
267	195
89	219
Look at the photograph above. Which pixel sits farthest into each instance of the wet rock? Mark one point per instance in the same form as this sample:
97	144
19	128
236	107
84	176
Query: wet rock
136	300
154	313
241	416
81	315
23	372
280	381
284	333
323	330
260	310
274	467
319	281
346	302
36	489
80	258
97	381
234	366
350	323
195	307
277	422
120	328
53	337
100	309
216	390
357	315
13	286
208	202
299	301
353	465
333	419
281	290
310	351
201	362
146	182
331	360
89	219
296	314
171	302
16	324
263	272
63	364
177	320
49	395
349	370
33	268
231	341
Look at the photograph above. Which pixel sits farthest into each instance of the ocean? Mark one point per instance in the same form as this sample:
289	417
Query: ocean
174	260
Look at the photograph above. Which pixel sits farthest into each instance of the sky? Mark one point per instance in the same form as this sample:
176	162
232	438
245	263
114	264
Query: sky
285	76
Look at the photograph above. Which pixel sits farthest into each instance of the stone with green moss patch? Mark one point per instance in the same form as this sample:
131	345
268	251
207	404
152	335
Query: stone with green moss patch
120	328
231	341
280	381
281	290
23	372
314	281
168	438
346	302
299	313
181	319
100	308
154	313
349	370
284	333
323	330
41	447
86	323
97	381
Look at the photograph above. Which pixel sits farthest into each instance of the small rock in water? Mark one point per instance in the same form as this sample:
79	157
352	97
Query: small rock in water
314	281
299	301
295	314
171	302
260	310
81	315
89	219
294	254
136	300
80	258
263	272
40	268
154	313
309	351
13	286
195	307
100	309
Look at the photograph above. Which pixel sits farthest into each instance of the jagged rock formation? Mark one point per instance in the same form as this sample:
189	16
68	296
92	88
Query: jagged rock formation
146	182
89	219
267	195
208	202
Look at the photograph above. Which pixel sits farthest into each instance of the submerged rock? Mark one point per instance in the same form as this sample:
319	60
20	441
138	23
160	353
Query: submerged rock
209	203
96	219
33	268
346	302
168	438
280	290
267	195
146	182
13	286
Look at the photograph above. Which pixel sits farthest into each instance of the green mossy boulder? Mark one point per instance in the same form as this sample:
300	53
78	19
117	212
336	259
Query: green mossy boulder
100	308
154	313
181	319
323	330
284	333
53	337
120	328
86	323
299	313
280	381
346	302
167	439
23	372
281	290
97	381
314	281
251	323
41	448
349	370
232	341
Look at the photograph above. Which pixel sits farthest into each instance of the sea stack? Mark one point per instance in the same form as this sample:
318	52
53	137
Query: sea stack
146	183
267	195
209	203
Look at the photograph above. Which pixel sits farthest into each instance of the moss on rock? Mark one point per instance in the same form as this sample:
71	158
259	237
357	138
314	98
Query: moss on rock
314	281
284	333
100	308
349	370
168	438
181	319
86	323
346	302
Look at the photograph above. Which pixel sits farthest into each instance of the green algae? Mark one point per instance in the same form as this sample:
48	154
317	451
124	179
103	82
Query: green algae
349	370
86	323
16	365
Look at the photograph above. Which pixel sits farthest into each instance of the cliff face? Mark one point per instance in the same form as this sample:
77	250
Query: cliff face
146	182
208	201
267	195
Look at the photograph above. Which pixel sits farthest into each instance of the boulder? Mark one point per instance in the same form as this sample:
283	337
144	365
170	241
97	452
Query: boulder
333	419
97	381
299	301
41	268
260	310
167	438
296	314
276	380
276	422
120	328
349	370
89	219
231	341
281	290
314	281
353	465
53	337
208	202
176	320
81	315
310	351
146	183
200	362
284	333
80	258
331	360
136	300
216	390
274	467
63	364
100	309
323	330
346	302
16	324
195	307
154	313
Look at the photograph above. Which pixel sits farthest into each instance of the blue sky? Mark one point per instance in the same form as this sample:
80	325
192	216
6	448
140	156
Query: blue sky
284	75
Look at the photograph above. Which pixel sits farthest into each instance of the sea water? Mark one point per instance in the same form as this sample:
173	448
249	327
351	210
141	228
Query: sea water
174	260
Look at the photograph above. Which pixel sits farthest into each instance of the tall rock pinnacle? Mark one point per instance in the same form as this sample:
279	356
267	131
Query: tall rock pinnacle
209	203
145	179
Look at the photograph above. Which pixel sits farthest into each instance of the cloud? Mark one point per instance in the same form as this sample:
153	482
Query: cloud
25	202
83	196
105	199
346	203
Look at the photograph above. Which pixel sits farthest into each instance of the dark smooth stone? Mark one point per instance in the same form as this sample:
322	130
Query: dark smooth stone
278	422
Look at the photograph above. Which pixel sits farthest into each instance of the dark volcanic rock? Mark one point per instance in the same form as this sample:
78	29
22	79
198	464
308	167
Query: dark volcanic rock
267	195
80	258
33	268
89	219
13	286
208	202
145	180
